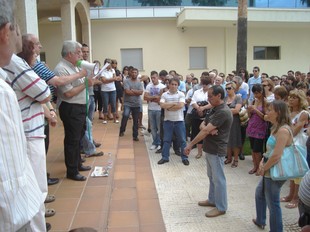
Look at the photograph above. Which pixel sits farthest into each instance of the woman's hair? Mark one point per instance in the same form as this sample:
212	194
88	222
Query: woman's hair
28	50
259	88
125	68
303	103
281	92
107	60
283	114
246	74
233	84
270	84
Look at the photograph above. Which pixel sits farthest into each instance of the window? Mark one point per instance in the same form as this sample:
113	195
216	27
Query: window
266	53
197	57
132	57
43	56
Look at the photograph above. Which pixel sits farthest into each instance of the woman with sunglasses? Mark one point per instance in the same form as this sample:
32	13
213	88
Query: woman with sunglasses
234	102
257	127
268	88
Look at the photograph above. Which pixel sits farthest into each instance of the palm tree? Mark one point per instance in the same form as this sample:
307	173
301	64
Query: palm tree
242	34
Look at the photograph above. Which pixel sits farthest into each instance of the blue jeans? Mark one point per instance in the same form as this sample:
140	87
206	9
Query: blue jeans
268	194
87	140
178	128
154	117
217	190
91	107
109	98
135	117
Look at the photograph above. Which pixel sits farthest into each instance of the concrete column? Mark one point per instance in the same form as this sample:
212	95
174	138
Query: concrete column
68	20
26	16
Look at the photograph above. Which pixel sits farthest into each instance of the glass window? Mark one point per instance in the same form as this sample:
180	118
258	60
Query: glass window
266	53
197	57
132	57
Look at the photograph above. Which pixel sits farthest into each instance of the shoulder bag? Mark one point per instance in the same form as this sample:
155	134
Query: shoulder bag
293	163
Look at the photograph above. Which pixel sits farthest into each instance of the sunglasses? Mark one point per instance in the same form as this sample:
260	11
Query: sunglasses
228	88
265	85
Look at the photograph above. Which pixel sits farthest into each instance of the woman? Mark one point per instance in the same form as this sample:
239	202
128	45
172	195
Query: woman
257	127
299	115
200	96
245	77
267	193
119	87
269	88
234	102
97	96
108	91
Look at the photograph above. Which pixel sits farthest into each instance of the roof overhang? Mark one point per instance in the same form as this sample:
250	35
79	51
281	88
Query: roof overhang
228	16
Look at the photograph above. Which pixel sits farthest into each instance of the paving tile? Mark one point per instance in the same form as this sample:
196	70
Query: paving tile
64	205
88	219
69	192
61	221
124	193
123	219
123	205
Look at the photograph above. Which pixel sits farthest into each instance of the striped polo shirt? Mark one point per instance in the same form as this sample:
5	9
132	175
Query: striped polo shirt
30	89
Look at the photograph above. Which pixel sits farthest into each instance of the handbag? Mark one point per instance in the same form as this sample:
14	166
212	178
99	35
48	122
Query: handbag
194	112
244	117
293	163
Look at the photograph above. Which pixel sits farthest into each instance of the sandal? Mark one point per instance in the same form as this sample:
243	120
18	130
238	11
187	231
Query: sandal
291	205
258	225
234	164
252	171
285	199
49	198
227	161
49	212
198	156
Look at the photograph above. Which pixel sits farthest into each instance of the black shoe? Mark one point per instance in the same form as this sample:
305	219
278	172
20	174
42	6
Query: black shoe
121	134
158	151
149	130
178	153
162	161
84	168
48	226
135	139
185	162
77	177
96	144
241	156
83	160
51	181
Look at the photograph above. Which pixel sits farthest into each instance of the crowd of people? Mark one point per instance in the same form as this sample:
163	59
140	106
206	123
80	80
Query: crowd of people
183	114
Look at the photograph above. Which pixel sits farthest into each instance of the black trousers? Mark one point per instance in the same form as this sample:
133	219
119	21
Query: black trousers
98	100
73	117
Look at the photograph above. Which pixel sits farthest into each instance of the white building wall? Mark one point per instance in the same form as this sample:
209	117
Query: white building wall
167	47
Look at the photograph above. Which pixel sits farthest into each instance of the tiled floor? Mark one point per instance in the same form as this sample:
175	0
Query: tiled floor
124	201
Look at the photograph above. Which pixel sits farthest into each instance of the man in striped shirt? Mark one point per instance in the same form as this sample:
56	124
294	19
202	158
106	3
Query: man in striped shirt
173	102
31	92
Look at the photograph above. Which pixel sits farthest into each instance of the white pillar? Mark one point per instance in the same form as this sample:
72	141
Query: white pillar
26	16
68	20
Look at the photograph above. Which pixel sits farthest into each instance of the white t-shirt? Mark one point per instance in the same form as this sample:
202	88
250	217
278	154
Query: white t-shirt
245	86
154	90
108	87
176	97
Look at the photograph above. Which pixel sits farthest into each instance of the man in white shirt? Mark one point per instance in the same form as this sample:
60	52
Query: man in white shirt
20	196
152	95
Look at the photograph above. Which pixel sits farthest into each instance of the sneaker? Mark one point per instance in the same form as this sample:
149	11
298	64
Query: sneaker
158	147
105	122
158	151
116	121
153	147
136	139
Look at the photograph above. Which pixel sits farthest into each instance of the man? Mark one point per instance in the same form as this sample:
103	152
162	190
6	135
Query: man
173	102
132	103
72	108
19	203
88	144
215	132
203	76
152	95
53	81
256	79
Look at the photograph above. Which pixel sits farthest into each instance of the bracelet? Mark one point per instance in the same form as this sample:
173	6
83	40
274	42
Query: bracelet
53	110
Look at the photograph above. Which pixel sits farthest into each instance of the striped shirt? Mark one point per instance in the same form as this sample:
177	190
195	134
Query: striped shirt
20	196
45	73
177	97
30	89
304	189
